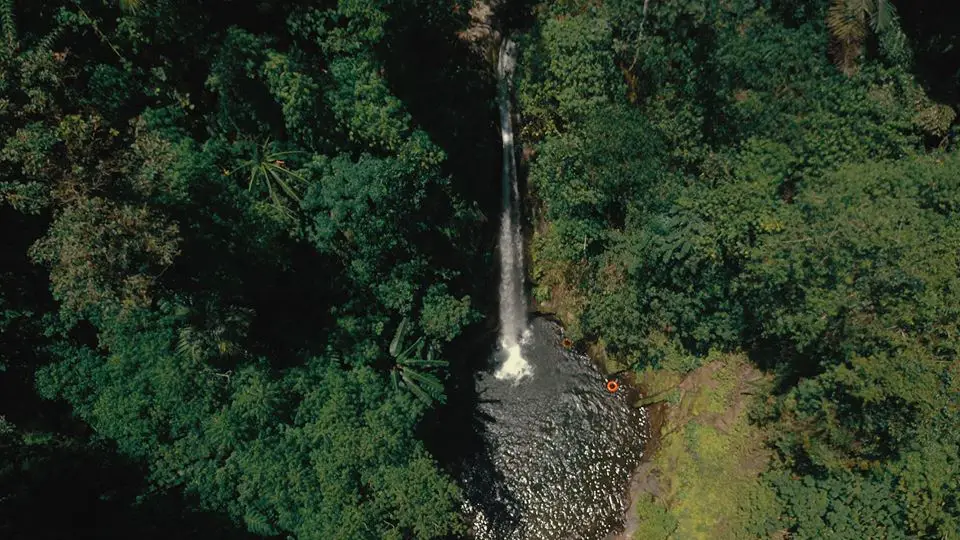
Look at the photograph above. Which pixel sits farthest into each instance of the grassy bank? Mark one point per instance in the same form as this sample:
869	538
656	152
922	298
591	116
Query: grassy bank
703	478
702	474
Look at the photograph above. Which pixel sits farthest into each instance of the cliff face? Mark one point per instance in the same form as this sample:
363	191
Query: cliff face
481	27
482	33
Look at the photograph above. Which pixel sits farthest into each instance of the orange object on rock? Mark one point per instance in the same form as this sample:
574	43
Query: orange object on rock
612	386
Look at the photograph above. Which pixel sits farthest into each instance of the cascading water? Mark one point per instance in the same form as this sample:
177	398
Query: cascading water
513	309
549	451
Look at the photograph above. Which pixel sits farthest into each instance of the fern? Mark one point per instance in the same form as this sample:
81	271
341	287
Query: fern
258	523
46	42
191	344
8	25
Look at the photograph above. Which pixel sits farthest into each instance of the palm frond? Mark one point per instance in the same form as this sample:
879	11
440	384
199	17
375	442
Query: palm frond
130	6
846	21
279	176
398	337
427	381
423	383
409	360
884	17
418	392
268	172
406	355
285	153
421	362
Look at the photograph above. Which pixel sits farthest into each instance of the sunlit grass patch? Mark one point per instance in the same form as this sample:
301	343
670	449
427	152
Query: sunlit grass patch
709	458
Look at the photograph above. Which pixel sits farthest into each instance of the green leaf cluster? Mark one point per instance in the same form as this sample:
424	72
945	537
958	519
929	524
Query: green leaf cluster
743	193
215	213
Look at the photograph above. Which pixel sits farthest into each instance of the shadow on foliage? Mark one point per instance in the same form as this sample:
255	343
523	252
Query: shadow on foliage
228	257
934	36
57	487
67	490
24	299
455	432
450	90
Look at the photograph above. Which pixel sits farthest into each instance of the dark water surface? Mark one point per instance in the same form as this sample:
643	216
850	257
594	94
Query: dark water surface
559	449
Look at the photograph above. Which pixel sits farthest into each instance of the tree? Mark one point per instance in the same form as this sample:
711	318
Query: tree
269	172
229	337
849	22
805	219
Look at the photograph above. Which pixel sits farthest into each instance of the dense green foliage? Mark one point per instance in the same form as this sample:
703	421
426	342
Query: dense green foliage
242	239
234	212
764	177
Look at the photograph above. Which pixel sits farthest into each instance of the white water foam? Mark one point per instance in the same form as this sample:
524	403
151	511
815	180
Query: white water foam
515	366
513	309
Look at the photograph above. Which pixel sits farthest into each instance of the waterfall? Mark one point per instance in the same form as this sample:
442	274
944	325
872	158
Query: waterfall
513	309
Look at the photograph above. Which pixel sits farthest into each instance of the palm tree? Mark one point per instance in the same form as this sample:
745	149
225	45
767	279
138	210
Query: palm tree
269	172
410	365
850	21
